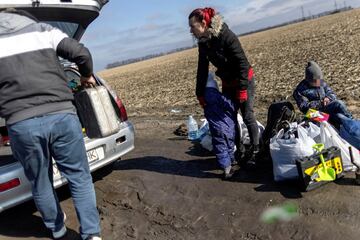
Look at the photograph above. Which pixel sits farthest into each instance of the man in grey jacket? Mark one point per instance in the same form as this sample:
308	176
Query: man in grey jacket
41	118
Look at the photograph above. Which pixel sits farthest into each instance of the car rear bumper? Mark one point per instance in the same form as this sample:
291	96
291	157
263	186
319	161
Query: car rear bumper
113	147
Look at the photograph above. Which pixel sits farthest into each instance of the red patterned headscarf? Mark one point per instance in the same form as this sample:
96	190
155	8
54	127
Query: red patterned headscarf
203	14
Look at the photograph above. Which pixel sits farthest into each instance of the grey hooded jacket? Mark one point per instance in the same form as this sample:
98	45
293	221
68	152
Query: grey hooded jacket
32	80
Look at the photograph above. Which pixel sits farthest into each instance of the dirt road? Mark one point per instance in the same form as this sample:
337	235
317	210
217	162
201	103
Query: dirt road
168	188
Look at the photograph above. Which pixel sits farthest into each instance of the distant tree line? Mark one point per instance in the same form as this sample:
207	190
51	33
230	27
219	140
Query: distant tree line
133	60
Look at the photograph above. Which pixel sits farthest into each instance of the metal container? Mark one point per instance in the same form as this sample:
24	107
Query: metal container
96	112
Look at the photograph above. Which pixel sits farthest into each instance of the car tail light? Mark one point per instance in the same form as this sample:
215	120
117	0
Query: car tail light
9	185
123	113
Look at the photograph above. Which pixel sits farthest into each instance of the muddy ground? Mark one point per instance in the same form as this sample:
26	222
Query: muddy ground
169	188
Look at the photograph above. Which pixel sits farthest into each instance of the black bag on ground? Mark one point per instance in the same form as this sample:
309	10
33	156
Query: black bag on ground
279	113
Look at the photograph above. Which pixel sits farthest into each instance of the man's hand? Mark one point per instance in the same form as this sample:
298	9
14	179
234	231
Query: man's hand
88	81
326	101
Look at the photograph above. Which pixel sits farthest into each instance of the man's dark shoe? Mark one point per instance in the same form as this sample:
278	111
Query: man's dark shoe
70	235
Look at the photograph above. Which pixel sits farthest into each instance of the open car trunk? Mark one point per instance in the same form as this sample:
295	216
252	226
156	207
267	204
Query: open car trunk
77	13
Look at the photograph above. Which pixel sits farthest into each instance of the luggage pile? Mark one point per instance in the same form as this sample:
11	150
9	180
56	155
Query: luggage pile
310	150
306	149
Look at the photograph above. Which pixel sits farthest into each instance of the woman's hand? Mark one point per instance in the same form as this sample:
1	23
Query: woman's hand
202	101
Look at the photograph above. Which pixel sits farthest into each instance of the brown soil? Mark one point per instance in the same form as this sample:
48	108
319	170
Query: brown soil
168	188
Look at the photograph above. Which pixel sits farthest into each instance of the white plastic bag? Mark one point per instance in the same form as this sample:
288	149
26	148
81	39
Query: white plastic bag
203	129
314	132
205	135
330	137
206	142
284	152
244	133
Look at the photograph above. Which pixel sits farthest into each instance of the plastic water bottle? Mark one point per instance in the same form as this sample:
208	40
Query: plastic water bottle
192	128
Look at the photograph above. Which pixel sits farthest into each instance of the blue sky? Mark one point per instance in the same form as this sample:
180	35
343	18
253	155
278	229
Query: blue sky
135	28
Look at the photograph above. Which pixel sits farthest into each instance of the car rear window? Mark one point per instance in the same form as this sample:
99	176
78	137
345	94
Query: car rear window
67	27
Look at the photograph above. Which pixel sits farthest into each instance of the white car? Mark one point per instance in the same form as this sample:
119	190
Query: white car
71	16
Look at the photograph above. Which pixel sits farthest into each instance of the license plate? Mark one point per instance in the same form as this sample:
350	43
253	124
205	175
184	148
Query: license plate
95	154
92	155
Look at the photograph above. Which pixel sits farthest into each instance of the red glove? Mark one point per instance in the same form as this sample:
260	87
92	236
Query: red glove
242	96
202	101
